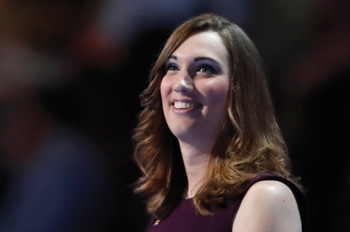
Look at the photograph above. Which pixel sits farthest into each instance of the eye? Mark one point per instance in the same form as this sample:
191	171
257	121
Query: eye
172	67
206	66
207	69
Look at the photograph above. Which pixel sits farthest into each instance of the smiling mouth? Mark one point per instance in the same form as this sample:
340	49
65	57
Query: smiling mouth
185	106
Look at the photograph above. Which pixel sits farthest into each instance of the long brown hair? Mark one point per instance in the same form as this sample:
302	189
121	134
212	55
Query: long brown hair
250	141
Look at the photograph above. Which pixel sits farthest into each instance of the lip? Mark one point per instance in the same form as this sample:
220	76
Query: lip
185	105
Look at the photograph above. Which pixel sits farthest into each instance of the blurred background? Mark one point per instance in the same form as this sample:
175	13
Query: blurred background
70	76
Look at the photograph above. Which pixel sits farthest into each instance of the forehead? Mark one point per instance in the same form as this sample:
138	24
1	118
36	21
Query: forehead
207	44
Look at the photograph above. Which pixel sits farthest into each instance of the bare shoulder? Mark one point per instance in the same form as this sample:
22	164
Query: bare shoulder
270	191
268	206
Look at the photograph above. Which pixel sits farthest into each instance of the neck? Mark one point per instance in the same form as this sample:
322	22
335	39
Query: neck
196	165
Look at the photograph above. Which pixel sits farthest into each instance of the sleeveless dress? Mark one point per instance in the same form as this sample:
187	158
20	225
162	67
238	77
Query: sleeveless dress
184	218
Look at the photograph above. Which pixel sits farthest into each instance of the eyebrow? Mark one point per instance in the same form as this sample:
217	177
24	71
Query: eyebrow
205	58
196	59
172	57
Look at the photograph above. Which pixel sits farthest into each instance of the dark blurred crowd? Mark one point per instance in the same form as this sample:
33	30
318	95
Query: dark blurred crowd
70	75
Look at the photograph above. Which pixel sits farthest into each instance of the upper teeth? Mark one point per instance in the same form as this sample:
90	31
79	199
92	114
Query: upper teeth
183	105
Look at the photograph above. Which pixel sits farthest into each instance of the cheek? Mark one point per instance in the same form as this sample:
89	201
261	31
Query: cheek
217	93
165	90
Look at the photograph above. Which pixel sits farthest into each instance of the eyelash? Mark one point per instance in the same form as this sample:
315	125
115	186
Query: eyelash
172	67
205	68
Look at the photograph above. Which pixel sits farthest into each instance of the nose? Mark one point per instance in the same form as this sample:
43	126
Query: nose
185	84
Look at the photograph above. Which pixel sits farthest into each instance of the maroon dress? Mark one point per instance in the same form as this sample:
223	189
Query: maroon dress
184	218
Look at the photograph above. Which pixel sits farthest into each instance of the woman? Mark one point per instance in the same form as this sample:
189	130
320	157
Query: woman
207	142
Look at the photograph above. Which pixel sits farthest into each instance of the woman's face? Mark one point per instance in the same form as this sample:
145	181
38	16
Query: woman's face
195	88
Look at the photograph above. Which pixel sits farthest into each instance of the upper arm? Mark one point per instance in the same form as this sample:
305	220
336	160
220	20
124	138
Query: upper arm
268	206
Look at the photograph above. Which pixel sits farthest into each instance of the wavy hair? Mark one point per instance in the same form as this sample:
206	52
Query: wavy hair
250	141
